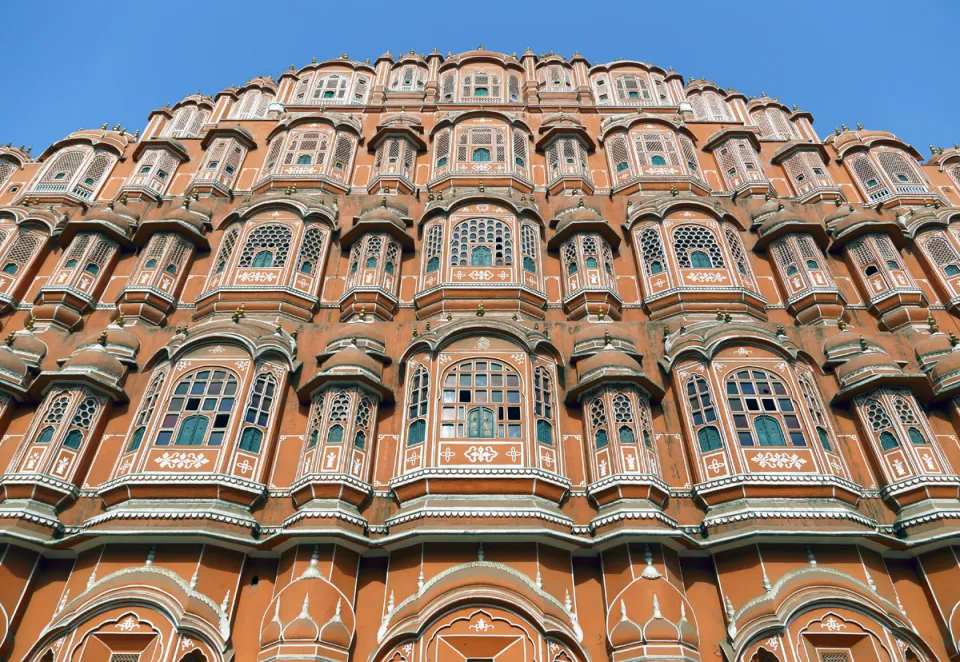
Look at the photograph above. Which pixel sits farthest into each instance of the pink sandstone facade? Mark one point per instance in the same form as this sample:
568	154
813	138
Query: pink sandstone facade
479	358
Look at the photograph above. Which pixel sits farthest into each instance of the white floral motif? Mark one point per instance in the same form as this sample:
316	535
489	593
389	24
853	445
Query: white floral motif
631	461
519	358
125	467
447	454
603	467
181	460
129	623
546	459
778	460
356	467
483	454
772	643
481	274
706	278
257	278
413	457
218	349
833	624
716	466
62	465
244	467
898	467
514	454
481	625
446	358
483	343
33	459
186	643
408	649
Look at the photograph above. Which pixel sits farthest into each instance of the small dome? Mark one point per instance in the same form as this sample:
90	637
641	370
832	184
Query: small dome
580	215
866	365
117	341
359	332
382	213
12	367
120	207
608	360
309	610
841	346
651	611
94	360
350	360
768	207
946	367
29	346
842	211
594	338
108	215
929	349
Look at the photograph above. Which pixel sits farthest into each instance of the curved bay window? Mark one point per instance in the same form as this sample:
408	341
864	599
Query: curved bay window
811	294
587	264
483	412
619	426
408	78
481	86
885	284
58	440
641	88
885	172
153	172
373	268
476	255
773	124
706	268
210	412
941	252
739	163
567	157
77	280
340	434
771	421
808	175
708	106
481	148
555	78
74	172
157	277
253	104
317	88
282	259
186	122
394	160
655	155
309	155
901	438
220	167
20	249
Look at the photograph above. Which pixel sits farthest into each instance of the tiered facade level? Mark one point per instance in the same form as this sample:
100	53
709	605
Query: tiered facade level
479	357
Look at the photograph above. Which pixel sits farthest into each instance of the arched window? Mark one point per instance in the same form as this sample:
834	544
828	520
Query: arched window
902	172
226	250
338	417
481	399
307	147
147	408
442	149
252	105
481	242
619	156
708	106
267	246
417	402
566	156
434	248
598	424
866	173
316	418
481	145
543	405
54	416
187	122
480	84
311	250
651	246
330	89
881	424
703	413
811	398
633	89
20	251
657	148
759	402
739	255
696	248
409	78
941	252
528	248
258	412
82	421
199	409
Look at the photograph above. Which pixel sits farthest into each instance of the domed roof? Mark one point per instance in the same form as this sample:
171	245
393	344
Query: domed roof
367	337
309	610
351	359
859	223
932	347
842	211
350	364
841	346
121	207
865	365
117	341
946	368
98	361
581	218
608	360
29	347
594	338
768	207
612	366
786	221
651	611
12	367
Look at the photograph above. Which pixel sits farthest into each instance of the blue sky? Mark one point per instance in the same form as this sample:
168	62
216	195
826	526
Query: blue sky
72	64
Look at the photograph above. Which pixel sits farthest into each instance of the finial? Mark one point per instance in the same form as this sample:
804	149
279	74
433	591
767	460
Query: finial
480	552
781	331
427	328
932	323
104	127
195	580
121	320
953	339
116	127
311	571
226	601
673	191
650	572
314	60
480	311
859	126
8	341
844	127
600	314
238	314
607	339
933	150
863	344
415	332
811	559
841	325
836	130
151	555
103	339
363	312
568	605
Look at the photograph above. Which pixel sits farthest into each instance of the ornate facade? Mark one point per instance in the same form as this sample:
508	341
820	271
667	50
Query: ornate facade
479	357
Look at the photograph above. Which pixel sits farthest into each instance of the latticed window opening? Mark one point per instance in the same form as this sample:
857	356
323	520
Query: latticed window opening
481	242
125	657
147	409
186	122
739	163
703	413
199	409
448	86
571	263
633	90
619	156
555	78
481	400
434	248
307	147
739	255
868	176
941	251
566	156
696	247
61	171
520	149
708	106
807	172
258	412
165	251
56	410
656	149
330	89
267	246
528	248
226	250
598	423
7	168
409	78
773	124
481	145
395	155
543	405
342	156
20	251
811	398
311	251
252	105
155	169
83	418
391	257
479	85
316	420
417	402
651	247
901	172
763	412
361	426
442	150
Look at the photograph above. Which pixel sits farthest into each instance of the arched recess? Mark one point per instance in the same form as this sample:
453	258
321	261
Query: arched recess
141	610
485	600
822	610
